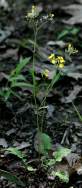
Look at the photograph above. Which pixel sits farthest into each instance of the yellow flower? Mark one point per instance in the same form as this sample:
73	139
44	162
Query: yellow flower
51	15
52	59
71	49
34	12
69	45
60	62
61	65
45	73
60	59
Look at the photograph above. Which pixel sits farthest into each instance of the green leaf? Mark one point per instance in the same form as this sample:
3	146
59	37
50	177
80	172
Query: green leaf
63	175
63	34
11	178
60	153
74	31
16	152
18	77
23	62
50	162
67	31
42	143
21	84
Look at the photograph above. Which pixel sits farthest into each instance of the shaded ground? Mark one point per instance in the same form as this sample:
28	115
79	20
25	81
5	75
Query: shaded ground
17	120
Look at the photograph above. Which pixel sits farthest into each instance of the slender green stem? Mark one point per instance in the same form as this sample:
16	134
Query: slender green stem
33	75
54	80
43	113
33	65
39	28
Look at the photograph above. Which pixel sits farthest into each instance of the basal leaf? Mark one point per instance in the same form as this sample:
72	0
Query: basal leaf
64	176
42	143
60	153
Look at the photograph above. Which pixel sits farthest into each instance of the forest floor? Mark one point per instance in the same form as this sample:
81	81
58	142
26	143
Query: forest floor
17	119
